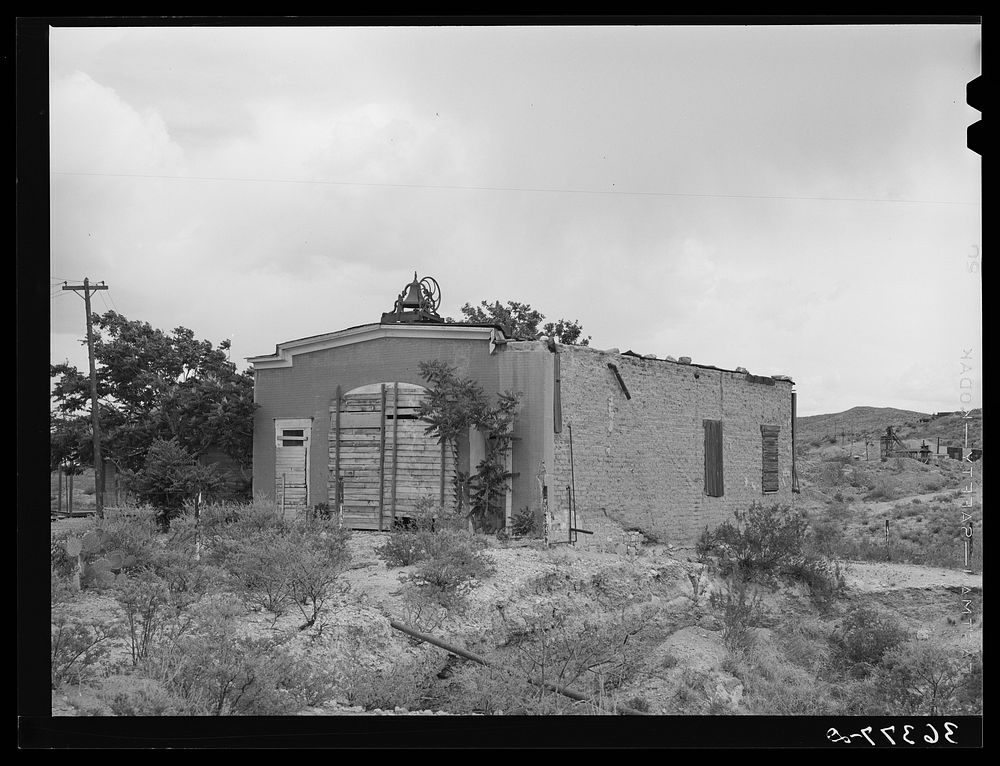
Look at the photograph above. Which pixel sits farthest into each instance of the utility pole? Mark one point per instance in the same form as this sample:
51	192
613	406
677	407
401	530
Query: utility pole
87	288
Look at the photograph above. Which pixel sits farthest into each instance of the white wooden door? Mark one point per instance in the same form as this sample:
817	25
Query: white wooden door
291	462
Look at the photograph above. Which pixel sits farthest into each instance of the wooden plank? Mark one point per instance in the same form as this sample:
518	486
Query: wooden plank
364	420
714	484
395	444
442	473
336	453
381	462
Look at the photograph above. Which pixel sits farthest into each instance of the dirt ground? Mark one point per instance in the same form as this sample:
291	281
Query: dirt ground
531	577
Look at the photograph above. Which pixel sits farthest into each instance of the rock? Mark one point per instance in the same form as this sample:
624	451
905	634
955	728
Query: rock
670	358
649	356
743	370
685	360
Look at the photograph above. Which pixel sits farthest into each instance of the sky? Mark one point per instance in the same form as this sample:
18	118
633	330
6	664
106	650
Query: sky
796	200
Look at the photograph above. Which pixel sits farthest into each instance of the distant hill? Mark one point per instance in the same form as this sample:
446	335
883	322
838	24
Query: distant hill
871	422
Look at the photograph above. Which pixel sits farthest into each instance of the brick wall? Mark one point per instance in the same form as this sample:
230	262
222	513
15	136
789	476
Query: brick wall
639	462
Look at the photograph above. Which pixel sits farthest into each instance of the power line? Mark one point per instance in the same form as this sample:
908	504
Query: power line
537	190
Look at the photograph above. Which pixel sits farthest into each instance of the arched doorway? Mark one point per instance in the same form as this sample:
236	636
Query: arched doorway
383	464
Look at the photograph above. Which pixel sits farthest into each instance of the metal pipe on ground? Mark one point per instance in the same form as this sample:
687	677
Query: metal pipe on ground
483	661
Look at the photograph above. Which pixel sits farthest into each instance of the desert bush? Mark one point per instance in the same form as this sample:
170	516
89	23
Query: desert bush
884	489
214	669
78	643
823	577
863	638
60	562
831	474
774	686
759	543
404	547
408	684
550	645
921	678
262	568
145	598
136	695
742	611
826	536
454	562
523	523
805	643
769	543
639	703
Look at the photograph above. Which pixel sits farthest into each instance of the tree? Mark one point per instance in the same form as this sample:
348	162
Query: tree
523	322
452	406
153	386
170	476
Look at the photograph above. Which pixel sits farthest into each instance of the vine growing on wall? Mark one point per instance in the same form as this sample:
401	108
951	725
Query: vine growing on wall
452	406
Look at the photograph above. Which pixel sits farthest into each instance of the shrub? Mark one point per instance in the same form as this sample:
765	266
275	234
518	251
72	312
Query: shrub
762	540
863	639
741	613
826	537
824	578
209	667
524	523
318	555
133	694
261	566
146	600
884	489
453	561
403	548
921	678
639	703
77	643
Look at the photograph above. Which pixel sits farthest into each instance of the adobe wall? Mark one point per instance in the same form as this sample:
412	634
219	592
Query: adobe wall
639	462
527	367
306	389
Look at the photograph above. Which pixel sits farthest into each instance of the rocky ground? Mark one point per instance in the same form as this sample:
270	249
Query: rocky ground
665	591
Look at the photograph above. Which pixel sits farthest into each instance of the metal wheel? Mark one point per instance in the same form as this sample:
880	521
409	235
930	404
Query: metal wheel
432	292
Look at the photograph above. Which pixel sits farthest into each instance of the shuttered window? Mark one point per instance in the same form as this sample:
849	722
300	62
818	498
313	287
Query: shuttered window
713	458
769	469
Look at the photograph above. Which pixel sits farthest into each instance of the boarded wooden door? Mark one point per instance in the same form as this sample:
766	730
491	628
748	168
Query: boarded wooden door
291	462
714	483
386	463
769	471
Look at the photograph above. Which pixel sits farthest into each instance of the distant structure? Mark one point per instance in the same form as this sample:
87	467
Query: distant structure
891	445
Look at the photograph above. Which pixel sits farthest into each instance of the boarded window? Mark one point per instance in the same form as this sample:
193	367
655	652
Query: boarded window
713	458
769	470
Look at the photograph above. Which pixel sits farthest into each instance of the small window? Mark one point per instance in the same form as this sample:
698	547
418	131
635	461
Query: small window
714	484
769	466
293	437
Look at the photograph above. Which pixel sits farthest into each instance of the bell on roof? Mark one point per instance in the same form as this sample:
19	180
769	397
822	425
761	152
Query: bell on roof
418	302
414	295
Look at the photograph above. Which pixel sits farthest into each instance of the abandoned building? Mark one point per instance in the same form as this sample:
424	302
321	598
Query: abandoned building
604	441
